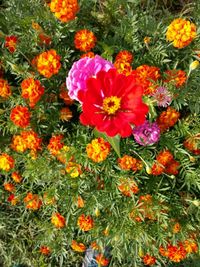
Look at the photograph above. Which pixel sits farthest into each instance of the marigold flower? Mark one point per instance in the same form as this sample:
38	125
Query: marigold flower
16	177
45	250
98	150
80	202
147	40
55	144
127	162
181	32
113	113
32	140
85	223
32	201
84	40
172	167
65	114
79	247
73	169
164	157
18	143
123	67
13	199
5	90
48	63
11	43
9	187
32	90
65	96
192	143
44	38
146	76
20	116
177	77
167	119
48	200
6	162
88	54
176	228
127	187
149	260
124	55
95	246
64	10
58	220
176	253
157	169
101	260
190	246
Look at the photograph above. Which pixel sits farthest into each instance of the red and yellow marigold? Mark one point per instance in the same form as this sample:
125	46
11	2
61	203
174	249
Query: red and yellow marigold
9	187
32	140
6	162
16	177
11	43
32	201
84	40
58	220
65	114
127	187
32	90
5	90
45	250
102	260
13	199
181	32
18	143
65	96
73	169
129	163
177	77
123	67
79	247
48	63
167	119
85	223
20	116
88	54
98	149
192	143
55	144
164	157
124	55
148	260
64	10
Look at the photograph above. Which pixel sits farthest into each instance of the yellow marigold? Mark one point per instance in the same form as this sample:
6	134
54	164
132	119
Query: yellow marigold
16	177
84	40
18	143
58	220
181	32
5	90
73	169
6	162
79	247
98	150
48	63
123	67
85	223
64	10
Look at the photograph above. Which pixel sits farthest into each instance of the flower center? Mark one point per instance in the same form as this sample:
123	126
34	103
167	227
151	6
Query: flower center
111	104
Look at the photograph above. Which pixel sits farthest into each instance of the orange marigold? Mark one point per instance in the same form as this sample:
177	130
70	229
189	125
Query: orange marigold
101	260
18	143
123	67
16	177
98	149
32	90
149	260
32	140
55	144
167	119
157	169
128	187
80	202
88	54
147	76
6	162
65	114
181	32
176	228
176	253
190	246
164	157
129	163
172	167
48	63
5	90
84	40
9	187
32	201
20	116
65	96
64	10
124	55
79	247
11	43
177	77
85	223
192	143
45	250
58	220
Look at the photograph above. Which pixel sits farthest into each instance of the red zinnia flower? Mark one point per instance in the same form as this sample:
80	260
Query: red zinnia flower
112	102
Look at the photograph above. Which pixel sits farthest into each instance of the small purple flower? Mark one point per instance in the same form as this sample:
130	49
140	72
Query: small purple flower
162	97
83	69
146	134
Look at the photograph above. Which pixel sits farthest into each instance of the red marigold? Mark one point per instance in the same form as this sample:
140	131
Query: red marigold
55	144
85	223
149	260
98	150
32	201
84	40
48	63
146	76
79	247
167	119
88	54
44	38
176	253
32	90
164	157
172	167
112	102
13	199
5	90
6	162
123	67
16	177
101	260
177	77
157	169
20	116
45	250
11	43
58	220
124	55
9	187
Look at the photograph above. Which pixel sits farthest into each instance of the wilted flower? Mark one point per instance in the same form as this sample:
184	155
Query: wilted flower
162	96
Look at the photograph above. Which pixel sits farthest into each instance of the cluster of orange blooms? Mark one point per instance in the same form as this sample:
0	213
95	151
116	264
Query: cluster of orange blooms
181	32
5	90
128	163
127	187
192	144
47	63
58	220
165	163
20	116
64	10
98	150
6	162
123	62
167	119
177	77
147	76
32	90
84	40
11	43
32	201
85	223
79	247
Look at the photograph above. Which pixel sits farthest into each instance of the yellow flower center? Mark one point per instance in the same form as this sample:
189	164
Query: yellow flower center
111	104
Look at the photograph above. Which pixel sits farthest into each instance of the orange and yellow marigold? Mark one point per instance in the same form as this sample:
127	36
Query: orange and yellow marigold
11	43
55	144
20	116
45	250
149	260
6	162
16	177
85	223
102	260
98	150
5	90
167	119
128	187
79	247
177	77
58	220
9	187
32	201
84	40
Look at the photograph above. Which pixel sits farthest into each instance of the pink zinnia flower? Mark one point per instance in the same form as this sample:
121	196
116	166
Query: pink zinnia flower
83	69
162	97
